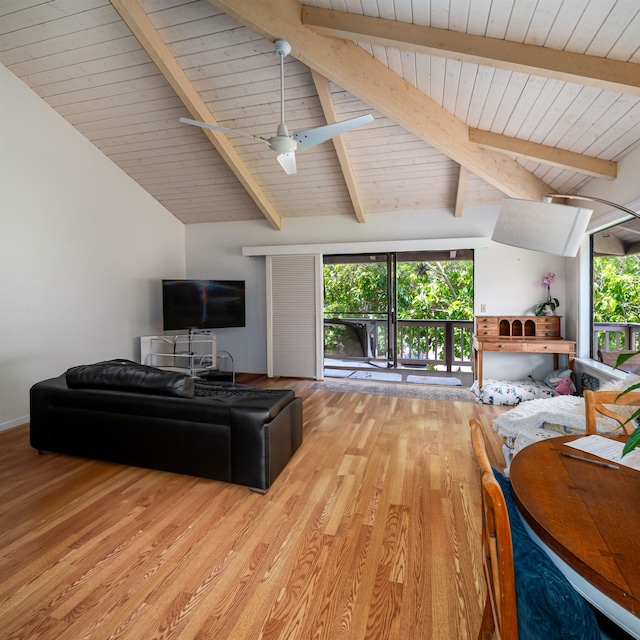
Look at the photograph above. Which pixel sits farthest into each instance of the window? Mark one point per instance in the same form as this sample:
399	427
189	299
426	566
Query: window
616	289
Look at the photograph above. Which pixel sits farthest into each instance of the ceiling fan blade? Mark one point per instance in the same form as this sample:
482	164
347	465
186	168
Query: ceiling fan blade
233	132
310	137
287	162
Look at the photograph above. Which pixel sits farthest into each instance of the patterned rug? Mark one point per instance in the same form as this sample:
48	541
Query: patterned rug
397	389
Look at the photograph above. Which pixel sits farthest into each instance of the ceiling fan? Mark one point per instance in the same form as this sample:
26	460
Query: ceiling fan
282	143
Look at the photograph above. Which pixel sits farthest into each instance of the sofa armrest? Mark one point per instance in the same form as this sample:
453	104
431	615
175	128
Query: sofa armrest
261	448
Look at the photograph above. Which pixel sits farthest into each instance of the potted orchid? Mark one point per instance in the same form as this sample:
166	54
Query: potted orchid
548	307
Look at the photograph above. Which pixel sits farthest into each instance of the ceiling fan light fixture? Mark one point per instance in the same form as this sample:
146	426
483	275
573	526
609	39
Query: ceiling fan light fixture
288	162
282	142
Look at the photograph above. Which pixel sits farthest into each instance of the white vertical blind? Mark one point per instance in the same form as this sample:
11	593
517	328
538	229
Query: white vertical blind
294	316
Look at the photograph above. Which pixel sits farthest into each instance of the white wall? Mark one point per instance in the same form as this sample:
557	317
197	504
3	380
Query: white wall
510	279
507	280
82	251
215	251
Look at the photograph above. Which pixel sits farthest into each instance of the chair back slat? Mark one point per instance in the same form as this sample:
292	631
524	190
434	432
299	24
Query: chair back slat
606	403
500	614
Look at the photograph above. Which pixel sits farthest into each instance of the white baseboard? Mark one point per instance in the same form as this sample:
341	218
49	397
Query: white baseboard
11	424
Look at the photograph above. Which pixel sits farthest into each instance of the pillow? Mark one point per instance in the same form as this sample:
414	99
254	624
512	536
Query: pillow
506	392
549	608
558	373
563	386
125	375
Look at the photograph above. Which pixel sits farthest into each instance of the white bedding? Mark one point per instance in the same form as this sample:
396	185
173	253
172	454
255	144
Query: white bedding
564	410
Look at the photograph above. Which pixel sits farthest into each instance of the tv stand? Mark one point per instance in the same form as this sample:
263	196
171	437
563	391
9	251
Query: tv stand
194	353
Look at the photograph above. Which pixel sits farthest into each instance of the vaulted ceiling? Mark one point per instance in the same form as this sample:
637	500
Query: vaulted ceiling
471	99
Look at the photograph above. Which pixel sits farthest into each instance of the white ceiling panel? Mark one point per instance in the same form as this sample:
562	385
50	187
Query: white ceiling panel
83	59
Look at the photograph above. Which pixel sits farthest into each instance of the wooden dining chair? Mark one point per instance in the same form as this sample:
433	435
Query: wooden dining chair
604	401
500	613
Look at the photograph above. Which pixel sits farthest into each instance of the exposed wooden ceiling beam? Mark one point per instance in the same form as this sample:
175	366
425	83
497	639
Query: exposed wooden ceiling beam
151	41
353	69
547	155
461	192
603	73
326	101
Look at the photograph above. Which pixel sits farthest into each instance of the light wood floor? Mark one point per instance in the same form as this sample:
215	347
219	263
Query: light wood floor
372	531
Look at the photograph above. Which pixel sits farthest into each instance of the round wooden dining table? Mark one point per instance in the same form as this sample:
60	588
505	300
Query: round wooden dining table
587	517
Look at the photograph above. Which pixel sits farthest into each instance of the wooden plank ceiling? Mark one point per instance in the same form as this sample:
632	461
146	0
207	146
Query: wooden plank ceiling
472	99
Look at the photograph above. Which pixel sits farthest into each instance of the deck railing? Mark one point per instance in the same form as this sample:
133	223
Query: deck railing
447	344
442	344
616	336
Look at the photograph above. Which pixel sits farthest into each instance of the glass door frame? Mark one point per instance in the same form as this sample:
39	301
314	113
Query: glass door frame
393	351
392	310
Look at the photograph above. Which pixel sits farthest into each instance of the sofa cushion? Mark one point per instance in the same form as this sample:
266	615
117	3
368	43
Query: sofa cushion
125	375
549	608
242	396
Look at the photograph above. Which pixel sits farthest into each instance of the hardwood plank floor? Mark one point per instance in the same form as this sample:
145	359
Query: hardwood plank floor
371	531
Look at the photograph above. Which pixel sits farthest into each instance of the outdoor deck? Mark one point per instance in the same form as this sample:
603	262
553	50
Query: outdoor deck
430	348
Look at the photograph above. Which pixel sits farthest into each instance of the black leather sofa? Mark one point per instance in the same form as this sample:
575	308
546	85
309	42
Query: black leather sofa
128	413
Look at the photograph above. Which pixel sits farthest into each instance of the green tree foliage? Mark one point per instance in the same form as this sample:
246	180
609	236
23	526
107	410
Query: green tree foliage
616	289
355	290
426	290
435	290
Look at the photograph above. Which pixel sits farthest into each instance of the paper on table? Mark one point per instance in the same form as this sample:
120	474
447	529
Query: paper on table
607	449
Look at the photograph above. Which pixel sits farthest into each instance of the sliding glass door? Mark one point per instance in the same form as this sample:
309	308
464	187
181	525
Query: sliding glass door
400	309
359	311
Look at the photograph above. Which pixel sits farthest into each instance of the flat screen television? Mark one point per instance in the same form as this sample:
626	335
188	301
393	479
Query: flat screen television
202	304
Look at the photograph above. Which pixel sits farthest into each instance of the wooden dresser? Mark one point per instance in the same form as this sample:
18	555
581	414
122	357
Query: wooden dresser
519	334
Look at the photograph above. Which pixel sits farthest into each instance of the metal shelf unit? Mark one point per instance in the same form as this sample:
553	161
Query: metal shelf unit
194	353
